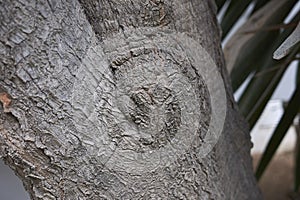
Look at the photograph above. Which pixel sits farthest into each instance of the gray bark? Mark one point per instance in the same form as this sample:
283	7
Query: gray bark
120	100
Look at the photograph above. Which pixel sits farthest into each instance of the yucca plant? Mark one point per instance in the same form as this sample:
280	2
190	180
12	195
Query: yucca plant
261	50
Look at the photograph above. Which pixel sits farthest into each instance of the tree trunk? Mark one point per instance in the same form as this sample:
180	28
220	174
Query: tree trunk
108	99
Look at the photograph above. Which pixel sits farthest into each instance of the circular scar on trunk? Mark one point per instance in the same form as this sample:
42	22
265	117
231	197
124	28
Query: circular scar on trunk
143	99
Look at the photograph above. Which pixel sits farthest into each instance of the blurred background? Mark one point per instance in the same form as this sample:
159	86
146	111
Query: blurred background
267	90
11	187
277	173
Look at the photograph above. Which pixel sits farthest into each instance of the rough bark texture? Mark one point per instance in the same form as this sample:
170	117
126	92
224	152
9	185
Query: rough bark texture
109	99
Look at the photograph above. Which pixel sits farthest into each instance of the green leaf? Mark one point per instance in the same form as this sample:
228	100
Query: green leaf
262	86
280	131
297	149
220	4
251	57
298	74
247	48
232	14
259	4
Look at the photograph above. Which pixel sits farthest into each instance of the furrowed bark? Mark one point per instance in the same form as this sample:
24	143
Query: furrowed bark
116	100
